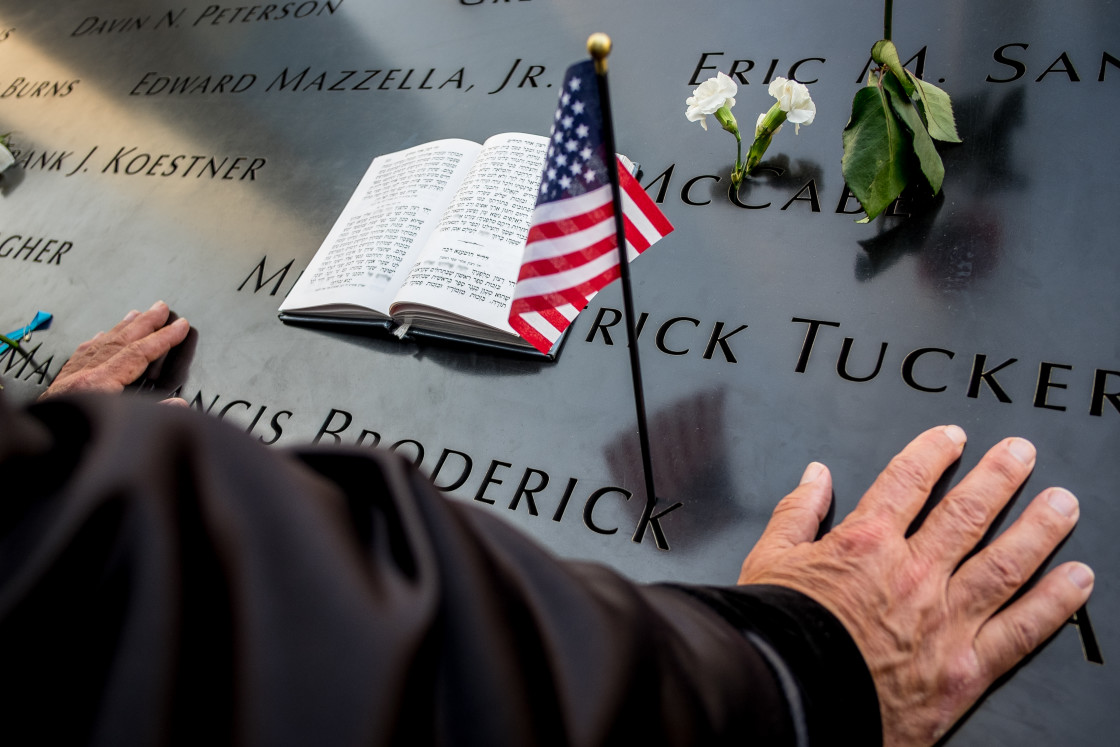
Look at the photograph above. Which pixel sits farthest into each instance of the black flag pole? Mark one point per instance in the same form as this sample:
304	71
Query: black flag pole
599	45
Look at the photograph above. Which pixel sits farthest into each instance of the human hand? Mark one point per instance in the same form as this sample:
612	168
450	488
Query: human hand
112	360
930	627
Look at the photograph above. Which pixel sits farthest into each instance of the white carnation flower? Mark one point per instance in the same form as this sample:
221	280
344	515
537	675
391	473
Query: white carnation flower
712	94
794	100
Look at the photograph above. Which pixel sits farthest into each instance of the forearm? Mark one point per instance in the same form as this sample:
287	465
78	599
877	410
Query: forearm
338	595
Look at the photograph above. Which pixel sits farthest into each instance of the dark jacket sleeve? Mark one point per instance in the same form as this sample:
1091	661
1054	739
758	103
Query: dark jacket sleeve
164	579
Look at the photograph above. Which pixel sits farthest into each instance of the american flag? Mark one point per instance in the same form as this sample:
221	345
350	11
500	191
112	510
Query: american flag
572	250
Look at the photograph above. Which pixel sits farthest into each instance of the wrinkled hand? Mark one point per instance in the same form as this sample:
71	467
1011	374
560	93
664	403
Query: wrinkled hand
112	360
932	633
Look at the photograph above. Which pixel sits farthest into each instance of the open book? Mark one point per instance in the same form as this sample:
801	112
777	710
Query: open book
430	243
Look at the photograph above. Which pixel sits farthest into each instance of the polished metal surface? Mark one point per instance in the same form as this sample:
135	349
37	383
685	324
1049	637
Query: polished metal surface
199	153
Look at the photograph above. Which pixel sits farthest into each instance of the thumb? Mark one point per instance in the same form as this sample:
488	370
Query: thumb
797	517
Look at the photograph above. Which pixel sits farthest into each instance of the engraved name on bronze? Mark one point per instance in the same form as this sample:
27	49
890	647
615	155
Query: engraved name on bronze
306	80
1012	61
801	195
738	69
133	160
211	15
1012	64
34	249
493	481
934	370
264	421
679	335
30	88
35	368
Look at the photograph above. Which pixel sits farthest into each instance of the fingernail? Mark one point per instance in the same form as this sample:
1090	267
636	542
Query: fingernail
1081	575
156	305
956	434
1062	501
131	315
812	472
1022	449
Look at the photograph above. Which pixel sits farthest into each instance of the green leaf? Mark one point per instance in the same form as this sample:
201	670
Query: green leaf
875	161
885	53
920	142
937	110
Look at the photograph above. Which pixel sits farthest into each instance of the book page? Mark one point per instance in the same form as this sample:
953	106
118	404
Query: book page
369	250
470	264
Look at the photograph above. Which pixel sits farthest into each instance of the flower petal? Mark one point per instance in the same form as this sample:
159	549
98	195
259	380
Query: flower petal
713	94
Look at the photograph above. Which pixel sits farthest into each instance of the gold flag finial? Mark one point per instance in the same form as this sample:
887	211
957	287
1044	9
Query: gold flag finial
599	46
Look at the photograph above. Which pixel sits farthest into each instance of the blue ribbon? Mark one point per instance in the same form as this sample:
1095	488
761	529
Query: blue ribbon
41	318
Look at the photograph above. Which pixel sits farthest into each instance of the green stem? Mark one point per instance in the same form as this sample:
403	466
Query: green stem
15	346
738	159
888	11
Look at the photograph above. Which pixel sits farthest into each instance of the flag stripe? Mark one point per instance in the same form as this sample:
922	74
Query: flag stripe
636	241
550	249
644	206
529	332
567	296
580	276
575	277
558	227
570	261
572	206
554	317
583	292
